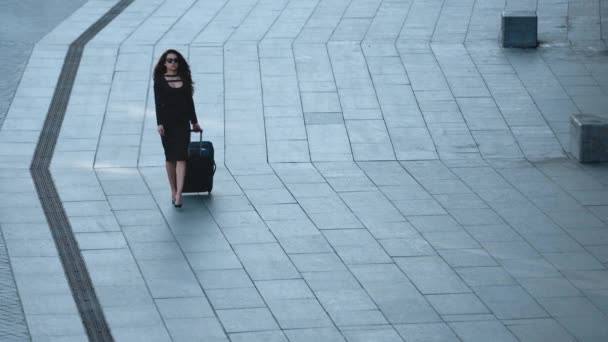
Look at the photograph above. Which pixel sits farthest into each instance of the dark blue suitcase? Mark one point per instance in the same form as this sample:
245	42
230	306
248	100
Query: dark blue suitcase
200	166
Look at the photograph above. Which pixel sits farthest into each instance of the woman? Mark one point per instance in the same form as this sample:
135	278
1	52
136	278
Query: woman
173	89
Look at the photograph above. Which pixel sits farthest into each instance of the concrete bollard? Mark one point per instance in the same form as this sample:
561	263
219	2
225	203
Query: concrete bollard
589	138
519	29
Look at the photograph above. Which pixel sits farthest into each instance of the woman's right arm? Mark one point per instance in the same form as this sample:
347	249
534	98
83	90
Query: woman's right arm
158	99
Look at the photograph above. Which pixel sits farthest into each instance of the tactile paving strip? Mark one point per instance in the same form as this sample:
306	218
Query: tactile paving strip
73	264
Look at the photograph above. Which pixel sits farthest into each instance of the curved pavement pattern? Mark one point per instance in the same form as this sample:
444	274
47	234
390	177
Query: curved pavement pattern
389	174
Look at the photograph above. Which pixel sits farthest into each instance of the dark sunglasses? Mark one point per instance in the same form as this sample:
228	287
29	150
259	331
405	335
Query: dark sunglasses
172	60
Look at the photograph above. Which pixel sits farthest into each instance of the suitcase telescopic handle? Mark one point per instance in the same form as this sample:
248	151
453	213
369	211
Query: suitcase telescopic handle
200	134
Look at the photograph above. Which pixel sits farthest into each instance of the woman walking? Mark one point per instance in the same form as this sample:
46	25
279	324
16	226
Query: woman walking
173	89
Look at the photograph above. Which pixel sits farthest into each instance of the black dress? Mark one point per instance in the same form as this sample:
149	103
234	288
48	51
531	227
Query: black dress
175	111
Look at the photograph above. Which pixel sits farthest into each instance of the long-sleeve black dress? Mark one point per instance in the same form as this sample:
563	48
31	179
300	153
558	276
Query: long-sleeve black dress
175	111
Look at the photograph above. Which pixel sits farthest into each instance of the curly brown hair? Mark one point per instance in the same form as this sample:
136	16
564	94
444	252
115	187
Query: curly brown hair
183	69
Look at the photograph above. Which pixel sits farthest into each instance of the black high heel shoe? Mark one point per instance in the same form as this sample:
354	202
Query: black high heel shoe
177	205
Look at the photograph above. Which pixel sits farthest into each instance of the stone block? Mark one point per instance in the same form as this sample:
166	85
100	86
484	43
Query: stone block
519	29
589	138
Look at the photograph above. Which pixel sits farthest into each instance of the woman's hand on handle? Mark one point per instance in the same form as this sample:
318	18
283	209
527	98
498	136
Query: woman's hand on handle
161	130
197	128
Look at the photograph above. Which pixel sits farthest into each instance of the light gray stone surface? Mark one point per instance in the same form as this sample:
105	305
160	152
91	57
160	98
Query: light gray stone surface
385	172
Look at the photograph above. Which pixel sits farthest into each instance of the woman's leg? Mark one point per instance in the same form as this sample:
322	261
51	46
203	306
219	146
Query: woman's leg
180	176
170	166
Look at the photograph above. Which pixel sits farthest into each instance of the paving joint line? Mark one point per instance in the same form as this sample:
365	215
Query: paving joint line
191	43
437	21
371	78
466	35
455	99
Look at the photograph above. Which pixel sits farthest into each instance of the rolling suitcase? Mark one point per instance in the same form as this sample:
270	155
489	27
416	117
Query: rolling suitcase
200	166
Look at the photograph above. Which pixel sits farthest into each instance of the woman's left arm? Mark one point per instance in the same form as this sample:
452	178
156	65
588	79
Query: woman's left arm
193	119
192	111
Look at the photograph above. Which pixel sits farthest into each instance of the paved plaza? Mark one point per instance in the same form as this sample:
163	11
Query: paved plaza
386	172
